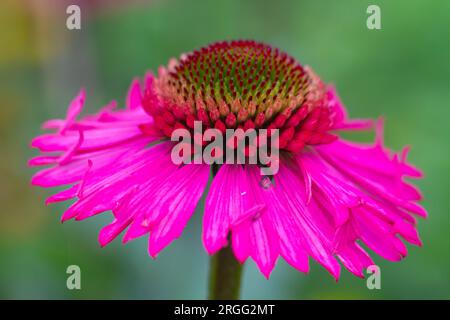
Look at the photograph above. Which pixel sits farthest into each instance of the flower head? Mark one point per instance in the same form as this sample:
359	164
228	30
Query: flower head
329	197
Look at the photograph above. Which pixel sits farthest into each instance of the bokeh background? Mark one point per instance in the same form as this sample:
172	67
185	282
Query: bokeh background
400	72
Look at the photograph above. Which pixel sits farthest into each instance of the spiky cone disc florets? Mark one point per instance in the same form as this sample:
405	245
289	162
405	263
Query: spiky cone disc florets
242	84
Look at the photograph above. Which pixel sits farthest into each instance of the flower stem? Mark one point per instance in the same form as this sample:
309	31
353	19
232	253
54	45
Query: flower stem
225	276
225	271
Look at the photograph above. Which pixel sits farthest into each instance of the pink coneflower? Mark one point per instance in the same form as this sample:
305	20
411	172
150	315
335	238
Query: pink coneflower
328	197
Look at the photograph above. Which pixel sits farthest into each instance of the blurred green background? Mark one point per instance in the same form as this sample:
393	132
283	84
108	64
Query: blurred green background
400	72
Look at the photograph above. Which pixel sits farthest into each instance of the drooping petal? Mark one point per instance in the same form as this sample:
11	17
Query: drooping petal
74	109
226	205
314	229
344	178
188	184
355	259
110	232
254	236
264	245
373	170
74	170
340	117
93	139
134	98
102	191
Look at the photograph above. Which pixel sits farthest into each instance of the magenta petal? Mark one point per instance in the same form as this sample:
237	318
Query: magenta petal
370	220
110	232
73	171
315	229
240	242
264	248
93	139
43	161
75	107
226	205
340	117
372	234
63	195
188	184
355	259
102	191
139	227
134	95
263	242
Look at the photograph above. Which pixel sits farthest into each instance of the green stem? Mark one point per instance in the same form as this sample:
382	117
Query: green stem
225	273
225	276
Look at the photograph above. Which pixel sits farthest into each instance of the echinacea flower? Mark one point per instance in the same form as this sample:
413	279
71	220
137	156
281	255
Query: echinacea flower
329	197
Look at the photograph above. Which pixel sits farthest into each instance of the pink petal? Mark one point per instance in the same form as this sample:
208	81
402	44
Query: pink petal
314	227
188	184
340	117
75	107
103	190
374	171
227	204
355	259
134	95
